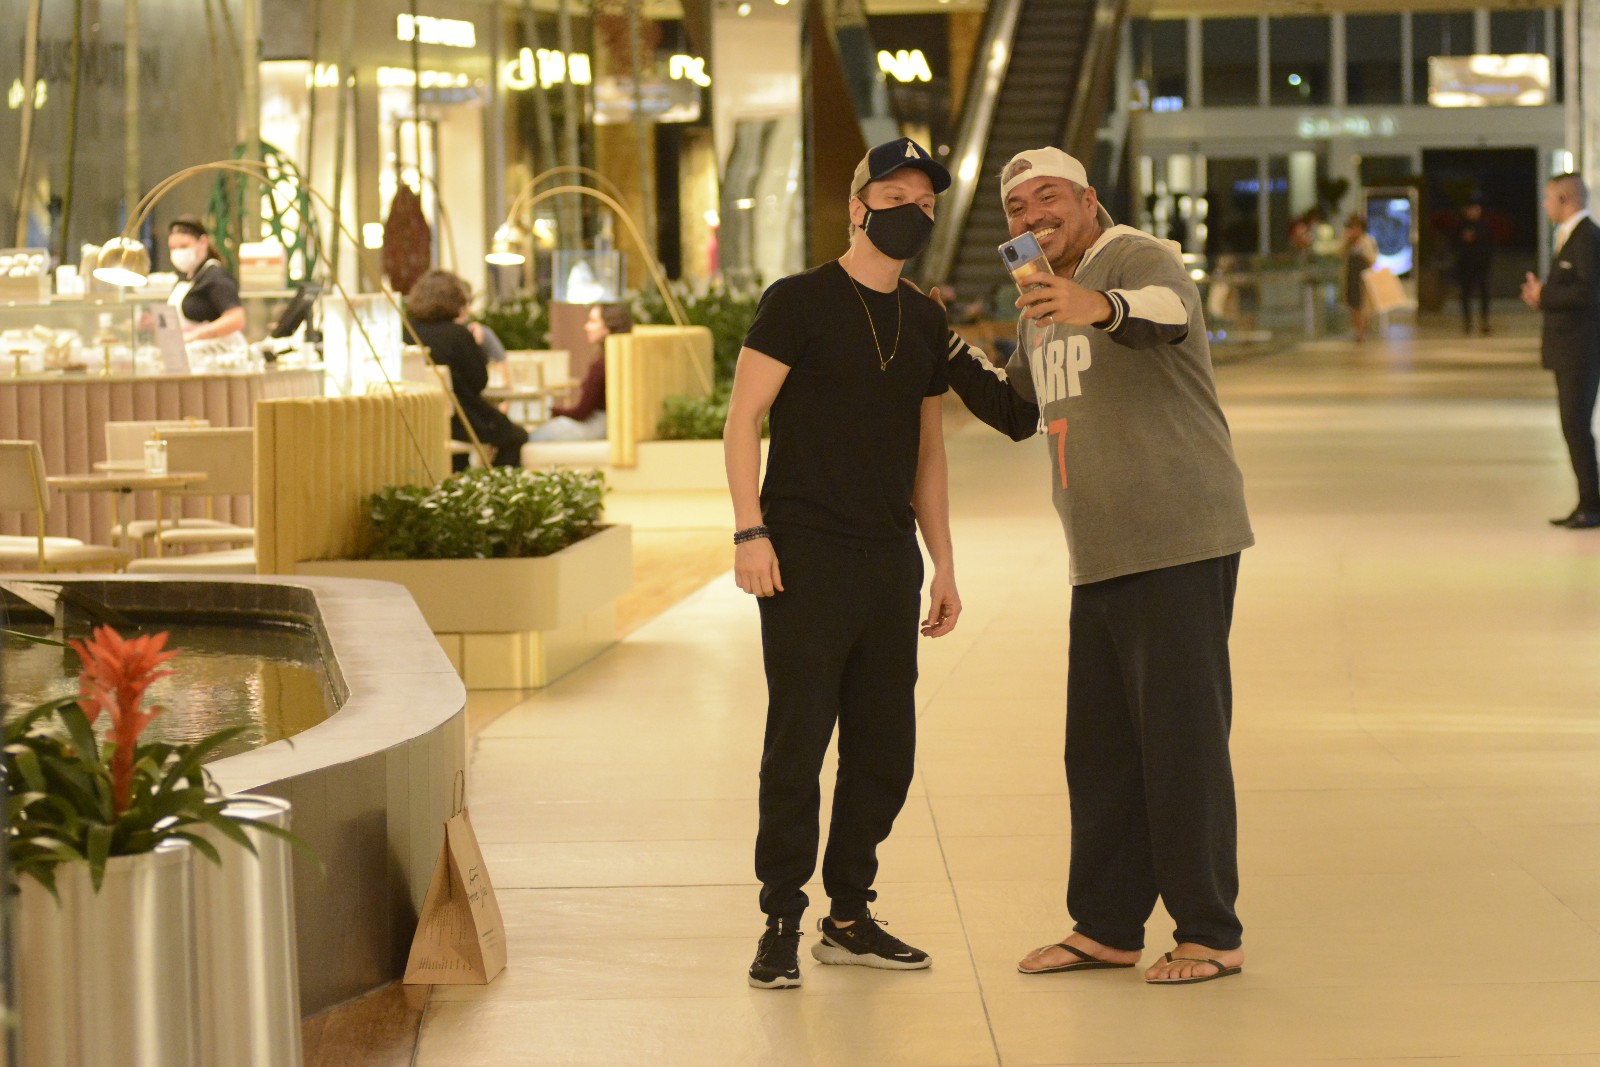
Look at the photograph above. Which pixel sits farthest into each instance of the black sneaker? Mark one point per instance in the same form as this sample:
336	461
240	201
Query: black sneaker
777	963
866	943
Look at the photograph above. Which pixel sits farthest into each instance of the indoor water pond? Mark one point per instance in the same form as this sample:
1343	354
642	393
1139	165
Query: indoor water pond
268	678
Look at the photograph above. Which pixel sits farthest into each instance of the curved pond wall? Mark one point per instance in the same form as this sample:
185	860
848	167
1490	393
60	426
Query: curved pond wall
371	786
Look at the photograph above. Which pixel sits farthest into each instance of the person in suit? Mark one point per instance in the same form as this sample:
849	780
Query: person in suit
1474	248
1569	298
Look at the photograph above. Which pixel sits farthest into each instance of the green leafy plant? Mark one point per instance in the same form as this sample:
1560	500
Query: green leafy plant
698	418
75	798
520	322
727	313
689	418
492	513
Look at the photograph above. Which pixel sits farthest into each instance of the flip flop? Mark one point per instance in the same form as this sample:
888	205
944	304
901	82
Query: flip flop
1085	962
1220	972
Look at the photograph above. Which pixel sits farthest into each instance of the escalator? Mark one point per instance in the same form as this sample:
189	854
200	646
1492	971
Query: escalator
1044	76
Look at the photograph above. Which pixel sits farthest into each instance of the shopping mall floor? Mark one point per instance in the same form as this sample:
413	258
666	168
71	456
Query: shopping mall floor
1416	744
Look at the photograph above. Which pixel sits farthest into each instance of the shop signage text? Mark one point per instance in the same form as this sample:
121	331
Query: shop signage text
545	68
453	33
905	66
689	69
17	94
1324	127
549	67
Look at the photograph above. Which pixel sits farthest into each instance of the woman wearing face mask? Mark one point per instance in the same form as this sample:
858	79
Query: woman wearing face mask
206	296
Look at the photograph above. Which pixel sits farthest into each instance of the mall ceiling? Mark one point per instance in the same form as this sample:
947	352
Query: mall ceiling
1176	8
1158	8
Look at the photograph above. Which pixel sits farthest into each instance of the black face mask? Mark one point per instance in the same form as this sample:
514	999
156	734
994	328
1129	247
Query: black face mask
898	232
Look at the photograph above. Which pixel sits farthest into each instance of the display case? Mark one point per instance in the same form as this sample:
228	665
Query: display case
114	335
69	366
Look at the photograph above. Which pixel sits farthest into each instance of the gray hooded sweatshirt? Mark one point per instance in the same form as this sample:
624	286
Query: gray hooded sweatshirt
1142	466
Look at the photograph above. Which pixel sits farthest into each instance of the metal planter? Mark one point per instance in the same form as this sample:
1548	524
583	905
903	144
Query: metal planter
108	978
176	962
249	982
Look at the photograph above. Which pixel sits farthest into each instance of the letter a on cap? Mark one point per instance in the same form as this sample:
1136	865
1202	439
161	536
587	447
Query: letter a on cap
911	150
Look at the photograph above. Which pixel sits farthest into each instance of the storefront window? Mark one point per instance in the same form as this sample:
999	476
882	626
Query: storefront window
1514	32
1298	53
918	80
1278	214
1558	58
1162	50
1233	192
1231	58
1445	34
1372	59
1529	31
1385	170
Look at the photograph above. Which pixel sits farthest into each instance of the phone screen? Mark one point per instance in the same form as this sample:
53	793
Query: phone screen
1024	258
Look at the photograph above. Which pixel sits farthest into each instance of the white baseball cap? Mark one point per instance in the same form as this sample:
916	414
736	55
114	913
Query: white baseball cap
1047	163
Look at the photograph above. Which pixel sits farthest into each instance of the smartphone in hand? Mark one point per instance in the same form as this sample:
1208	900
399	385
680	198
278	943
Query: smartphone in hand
1024	258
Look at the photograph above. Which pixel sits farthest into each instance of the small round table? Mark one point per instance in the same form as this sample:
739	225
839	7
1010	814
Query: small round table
123	483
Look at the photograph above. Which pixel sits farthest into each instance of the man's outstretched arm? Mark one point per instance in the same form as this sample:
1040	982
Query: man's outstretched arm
989	393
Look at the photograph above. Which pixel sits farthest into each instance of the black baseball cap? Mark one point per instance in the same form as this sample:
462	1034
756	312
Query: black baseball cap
890	156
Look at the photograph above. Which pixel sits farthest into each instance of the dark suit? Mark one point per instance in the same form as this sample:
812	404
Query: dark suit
1570	347
1474	246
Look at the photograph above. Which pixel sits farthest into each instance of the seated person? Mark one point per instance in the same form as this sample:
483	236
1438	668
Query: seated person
494	351
436	313
585	420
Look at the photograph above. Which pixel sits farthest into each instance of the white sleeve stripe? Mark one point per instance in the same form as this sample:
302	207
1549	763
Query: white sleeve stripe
1119	309
958	347
1153	303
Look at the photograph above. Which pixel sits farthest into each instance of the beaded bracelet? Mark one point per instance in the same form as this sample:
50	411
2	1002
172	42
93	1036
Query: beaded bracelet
752	533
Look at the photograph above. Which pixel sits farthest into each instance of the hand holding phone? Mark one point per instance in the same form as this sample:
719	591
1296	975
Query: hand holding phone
1024	259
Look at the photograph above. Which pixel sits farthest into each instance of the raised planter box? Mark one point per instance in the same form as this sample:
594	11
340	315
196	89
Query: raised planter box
512	623
674	465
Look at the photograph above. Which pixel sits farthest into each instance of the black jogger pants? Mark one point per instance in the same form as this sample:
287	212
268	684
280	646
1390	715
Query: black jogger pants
840	646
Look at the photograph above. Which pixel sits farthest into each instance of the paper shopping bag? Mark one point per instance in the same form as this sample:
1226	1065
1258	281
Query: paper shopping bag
460	938
1385	292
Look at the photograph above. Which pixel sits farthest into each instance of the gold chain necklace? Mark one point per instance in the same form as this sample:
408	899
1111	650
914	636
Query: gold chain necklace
883	364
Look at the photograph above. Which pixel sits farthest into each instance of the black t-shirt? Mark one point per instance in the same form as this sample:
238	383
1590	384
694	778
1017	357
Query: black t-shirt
213	292
845	433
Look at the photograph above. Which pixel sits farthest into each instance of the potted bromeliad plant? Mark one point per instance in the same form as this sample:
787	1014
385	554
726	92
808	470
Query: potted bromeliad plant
101	830
513	569
77	799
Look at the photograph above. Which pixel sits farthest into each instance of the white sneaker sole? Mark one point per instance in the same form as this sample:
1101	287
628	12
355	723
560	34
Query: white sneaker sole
823	952
780	982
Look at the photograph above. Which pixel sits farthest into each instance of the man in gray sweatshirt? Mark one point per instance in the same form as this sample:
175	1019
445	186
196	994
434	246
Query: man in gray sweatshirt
1113	366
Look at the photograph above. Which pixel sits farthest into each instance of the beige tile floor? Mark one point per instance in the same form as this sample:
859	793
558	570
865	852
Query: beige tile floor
1417	744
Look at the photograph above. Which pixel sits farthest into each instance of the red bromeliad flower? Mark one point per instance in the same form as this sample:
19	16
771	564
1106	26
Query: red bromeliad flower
115	675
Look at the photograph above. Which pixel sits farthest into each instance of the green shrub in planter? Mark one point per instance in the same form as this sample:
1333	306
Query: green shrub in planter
727	313
493	513
689	418
521	323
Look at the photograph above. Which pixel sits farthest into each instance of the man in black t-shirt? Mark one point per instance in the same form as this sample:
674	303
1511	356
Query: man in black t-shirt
850	363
